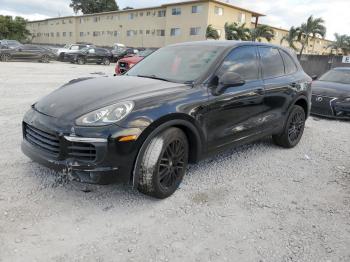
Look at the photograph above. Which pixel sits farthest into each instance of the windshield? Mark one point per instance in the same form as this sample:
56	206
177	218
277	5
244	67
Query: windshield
180	64
145	53
338	76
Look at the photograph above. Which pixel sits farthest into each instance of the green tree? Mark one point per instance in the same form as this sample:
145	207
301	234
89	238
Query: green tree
235	31
291	38
314	27
93	6
341	42
212	33
261	32
13	28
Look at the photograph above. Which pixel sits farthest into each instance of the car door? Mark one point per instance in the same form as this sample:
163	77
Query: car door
277	84
235	114
91	55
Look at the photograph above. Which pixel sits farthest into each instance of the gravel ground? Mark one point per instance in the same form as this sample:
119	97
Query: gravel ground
254	203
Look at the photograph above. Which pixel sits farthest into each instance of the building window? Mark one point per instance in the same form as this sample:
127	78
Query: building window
195	31
241	18
52	34
140	32
96	33
70	34
131	16
148	32
141	14
176	11
196	9
64	34
58	34
175	31
70	21
97	19
160	32
131	32
219	10
161	13
148	13
81	34
63	22
116	33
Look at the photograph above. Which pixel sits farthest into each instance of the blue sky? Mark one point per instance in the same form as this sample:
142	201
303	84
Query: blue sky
282	13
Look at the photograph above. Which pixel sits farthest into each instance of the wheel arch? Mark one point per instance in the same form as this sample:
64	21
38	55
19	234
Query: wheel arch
303	102
182	121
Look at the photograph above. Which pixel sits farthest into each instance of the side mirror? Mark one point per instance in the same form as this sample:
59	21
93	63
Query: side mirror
228	79
314	77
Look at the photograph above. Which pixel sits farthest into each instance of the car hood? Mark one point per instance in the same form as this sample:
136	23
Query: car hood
330	89
80	97
131	59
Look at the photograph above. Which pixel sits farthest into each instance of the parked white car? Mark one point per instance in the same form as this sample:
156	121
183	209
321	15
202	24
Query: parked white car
70	48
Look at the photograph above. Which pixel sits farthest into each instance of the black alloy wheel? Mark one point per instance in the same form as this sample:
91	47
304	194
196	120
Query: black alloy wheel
81	61
106	61
5	57
293	130
162	165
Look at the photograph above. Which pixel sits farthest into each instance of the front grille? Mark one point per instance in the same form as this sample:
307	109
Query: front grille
82	151
321	105
41	139
123	64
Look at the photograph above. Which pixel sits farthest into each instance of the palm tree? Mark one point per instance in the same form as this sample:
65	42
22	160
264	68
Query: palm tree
212	33
260	32
291	38
235	31
341	42
311	29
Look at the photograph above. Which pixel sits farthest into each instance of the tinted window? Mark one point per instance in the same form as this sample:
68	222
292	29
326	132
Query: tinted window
338	76
289	65
271	62
243	61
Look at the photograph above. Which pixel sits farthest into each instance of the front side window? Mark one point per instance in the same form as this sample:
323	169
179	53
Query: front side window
180	64
243	61
176	11
271	62
175	31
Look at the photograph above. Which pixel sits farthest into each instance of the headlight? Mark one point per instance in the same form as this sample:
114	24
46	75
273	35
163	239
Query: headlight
347	99
107	115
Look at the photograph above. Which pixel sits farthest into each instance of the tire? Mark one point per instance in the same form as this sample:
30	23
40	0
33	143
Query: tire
293	130
163	164
5	57
106	61
80	61
61	57
45	59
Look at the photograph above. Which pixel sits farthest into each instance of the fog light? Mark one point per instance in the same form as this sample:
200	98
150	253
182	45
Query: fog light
127	138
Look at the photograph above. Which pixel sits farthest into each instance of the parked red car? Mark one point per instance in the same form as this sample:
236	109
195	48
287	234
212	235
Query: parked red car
124	64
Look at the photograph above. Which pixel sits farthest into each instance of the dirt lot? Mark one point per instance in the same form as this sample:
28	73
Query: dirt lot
255	203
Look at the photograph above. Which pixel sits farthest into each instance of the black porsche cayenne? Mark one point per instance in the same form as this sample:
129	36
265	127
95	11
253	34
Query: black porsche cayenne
180	104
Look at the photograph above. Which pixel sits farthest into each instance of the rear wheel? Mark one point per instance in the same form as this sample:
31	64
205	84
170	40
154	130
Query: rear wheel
45	59
5	57
293	130
106	61
163	164
81	61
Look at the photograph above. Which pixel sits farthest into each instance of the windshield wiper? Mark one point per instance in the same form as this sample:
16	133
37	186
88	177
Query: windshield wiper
154	77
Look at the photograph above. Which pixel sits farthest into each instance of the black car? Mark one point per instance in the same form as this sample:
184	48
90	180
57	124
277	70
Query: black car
27	52
178	105
90	55
124	52
331	94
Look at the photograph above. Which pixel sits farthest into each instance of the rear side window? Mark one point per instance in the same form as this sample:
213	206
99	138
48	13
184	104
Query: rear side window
243	61
289	65
271	62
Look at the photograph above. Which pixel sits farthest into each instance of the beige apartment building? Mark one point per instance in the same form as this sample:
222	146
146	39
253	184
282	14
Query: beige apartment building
155	26
147	27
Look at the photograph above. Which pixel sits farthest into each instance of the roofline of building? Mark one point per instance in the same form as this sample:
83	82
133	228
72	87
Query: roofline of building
255	14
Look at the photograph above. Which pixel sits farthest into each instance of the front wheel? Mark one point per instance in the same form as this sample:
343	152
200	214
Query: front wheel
163	164
5	57
106	61
45	59
81	61
293	130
